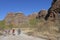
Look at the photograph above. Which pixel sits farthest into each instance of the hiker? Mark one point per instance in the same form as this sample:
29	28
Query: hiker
19	31
8	32
13	31
5	32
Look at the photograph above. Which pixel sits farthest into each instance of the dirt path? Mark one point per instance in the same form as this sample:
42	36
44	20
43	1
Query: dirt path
19	37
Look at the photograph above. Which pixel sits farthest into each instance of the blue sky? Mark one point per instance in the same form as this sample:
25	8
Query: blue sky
25	6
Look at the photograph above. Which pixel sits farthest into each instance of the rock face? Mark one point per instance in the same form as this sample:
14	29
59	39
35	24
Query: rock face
32	16
42	14
9	18
15	18
20	18
53	11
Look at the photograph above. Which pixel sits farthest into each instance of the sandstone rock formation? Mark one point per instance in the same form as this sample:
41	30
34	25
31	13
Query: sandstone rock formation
53	11
20	18
15	19
32	16
9	18
39	26
42	14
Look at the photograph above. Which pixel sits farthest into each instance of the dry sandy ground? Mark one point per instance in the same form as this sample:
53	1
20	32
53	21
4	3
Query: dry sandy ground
19	37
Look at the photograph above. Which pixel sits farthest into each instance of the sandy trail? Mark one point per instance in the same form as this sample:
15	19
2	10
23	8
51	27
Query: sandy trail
19	37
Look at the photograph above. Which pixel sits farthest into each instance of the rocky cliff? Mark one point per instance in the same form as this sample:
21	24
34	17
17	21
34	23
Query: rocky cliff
53	11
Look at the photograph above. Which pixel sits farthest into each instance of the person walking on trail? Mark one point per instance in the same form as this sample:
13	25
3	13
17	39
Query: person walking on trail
5	32
13	31
8	32
19	31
